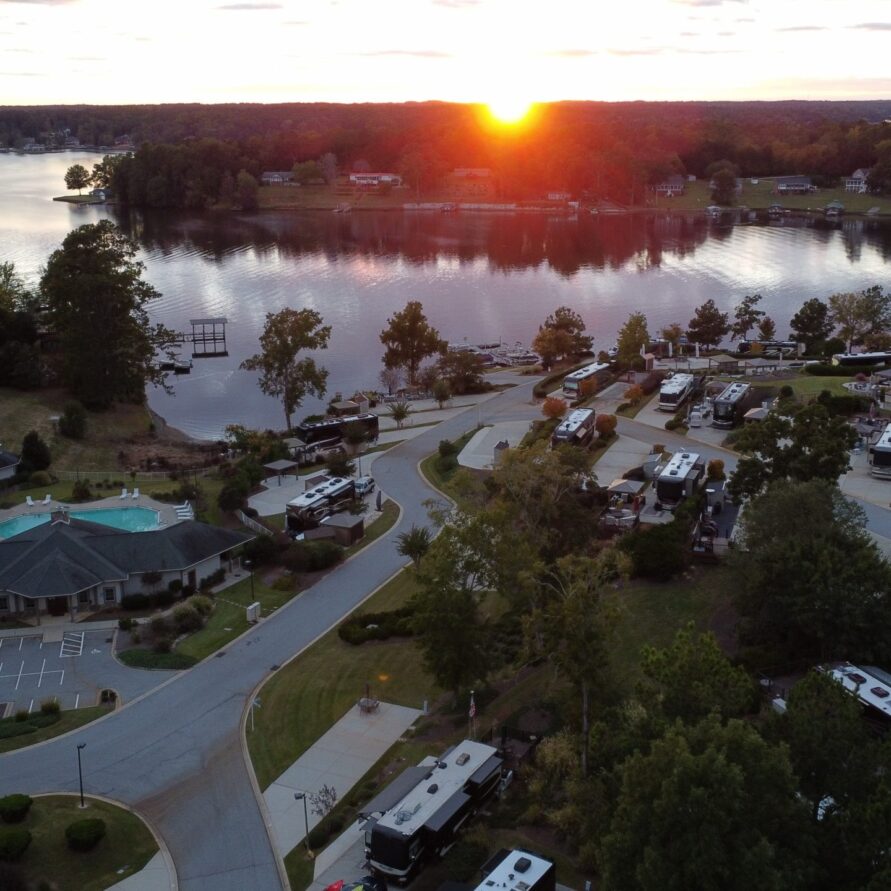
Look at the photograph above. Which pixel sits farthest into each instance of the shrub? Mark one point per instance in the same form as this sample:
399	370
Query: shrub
659	553
35	452
204	605
251	512
40	478
262	549
674	423
318	836
80	491
313	556
284	583
50	707
73	422
634	394
844	405
84	835
14	841
163	598
136	601
22	714
12	878
160	626
553	407
447	464
175	586
162	645
14	808
392	623
465	858
651	382
233	494
126	624
825	370
786	392
605	425
446	448
187	618
715	469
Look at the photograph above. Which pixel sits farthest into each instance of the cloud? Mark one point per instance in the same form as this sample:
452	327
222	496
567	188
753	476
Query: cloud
249	7
804	28
572	53
689	34
726	33
415	54
22	74
648	51
40	2
87	59
456	4
872	26
295	22
707	2
705	52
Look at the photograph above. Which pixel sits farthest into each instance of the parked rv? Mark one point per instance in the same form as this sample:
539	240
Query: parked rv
576	428
679	479
306	511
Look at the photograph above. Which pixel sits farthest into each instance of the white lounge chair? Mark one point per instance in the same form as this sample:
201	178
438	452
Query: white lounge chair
29	501
124	493
47	499
135	493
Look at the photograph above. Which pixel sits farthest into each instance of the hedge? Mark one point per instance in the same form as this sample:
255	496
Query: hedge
844	404
825	370
312	556
84	835
14	808
14	841
393	623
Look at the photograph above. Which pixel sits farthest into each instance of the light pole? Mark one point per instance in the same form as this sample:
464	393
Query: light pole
250	567
80	773
297	797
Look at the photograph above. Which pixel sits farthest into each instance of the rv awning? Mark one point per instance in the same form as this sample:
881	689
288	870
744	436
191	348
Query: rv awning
452	807
625	487
396	791
486	769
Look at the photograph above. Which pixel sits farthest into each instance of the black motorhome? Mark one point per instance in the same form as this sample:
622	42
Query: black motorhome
313	431
420	814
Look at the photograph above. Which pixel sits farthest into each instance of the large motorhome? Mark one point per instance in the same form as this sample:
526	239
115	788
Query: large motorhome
313	431
419	815
518	870
880	455
675	390
878	358
732	403
576	428
872	692
576	384
306	511
679	479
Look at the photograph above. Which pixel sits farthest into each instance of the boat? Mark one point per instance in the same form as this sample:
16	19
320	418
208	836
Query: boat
775	211
181	366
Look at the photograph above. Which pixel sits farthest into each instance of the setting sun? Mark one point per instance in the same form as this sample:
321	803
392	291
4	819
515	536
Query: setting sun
509	110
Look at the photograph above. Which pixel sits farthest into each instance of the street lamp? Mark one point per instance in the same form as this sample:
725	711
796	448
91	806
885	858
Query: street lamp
250	567
297	797
80	773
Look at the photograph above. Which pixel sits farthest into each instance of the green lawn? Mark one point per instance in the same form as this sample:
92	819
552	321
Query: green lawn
430	465
68	720
306	697
806	386
633	410
48	863
139	658
652	612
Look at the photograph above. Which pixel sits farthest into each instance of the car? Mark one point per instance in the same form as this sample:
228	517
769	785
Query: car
364	485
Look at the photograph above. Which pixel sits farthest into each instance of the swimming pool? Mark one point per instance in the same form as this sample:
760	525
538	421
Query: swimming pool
130	519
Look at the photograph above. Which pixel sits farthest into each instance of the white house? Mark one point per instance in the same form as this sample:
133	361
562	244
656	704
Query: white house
856	182
671	185
375	179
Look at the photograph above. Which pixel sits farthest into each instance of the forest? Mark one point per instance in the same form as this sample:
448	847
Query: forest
191	155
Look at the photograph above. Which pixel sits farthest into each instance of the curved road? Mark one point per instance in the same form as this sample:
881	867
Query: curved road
176	756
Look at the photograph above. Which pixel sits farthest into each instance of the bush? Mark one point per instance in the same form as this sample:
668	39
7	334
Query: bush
311	556
126	624
50	707
204	605
318	836
22	715
605	425
40	478
160	626
651	382
284	583
73	422
80	491
175	586
163	599
186	618
262	549
446	448
392	623
14	841
14	808
843	405
786	392
35	453
674	423
162	645
136	601
715	469
12	878
826	370
251	512
465	858
447	464
84	835
233	494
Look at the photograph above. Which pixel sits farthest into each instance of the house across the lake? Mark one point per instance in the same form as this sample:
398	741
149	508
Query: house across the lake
793	185
70	566
276	177
856	182
672	185
375	179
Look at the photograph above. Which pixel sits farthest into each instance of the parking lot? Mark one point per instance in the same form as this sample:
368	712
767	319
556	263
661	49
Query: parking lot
73	671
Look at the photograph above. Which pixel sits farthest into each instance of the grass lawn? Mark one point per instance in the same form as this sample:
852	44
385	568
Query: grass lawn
306	697
139	658
127	847
652	612
633	410
806	386
440	478
68	720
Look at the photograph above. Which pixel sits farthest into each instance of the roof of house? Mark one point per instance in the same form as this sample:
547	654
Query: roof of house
674	180
793	180
859	173
7	459
66	555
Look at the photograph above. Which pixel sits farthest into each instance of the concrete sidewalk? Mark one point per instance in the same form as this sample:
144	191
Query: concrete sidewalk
154	876
339	759
479	453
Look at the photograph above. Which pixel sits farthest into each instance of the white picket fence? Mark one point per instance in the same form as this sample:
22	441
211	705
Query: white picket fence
252	524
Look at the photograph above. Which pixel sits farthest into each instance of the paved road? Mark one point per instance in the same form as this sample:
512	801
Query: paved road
175	755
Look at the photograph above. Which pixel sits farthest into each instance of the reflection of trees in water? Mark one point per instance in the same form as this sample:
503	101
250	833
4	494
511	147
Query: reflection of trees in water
505	241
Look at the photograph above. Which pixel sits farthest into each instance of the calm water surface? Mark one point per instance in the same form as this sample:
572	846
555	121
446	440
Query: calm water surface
483	277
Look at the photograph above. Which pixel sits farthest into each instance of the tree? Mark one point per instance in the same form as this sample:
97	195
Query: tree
328	163
746	316
767	329
339	464
692	678
73	421
673	333
551	344
246	190
323	801
35	453
809	445
811	582
634	394
409	339
390	378
77	177
707	807
282	374
708	326
414	544
553	408
97	302
307	172
13	291
105	171
462	370
633	336
399	412
442	392
859	314
724	187
811	325
605	425
570	323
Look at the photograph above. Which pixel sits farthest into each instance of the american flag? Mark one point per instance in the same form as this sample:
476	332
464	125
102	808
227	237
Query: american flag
472	711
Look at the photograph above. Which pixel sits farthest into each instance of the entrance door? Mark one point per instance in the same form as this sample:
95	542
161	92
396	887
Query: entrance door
57	606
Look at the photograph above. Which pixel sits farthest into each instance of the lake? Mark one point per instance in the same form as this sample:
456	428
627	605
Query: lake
481	277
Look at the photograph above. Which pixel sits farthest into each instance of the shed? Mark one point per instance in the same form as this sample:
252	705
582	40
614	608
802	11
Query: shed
348	529
625	487
280	467
345	407
501	447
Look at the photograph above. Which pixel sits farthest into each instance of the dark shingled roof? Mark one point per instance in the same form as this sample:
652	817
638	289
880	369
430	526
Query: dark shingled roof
67	556
7	459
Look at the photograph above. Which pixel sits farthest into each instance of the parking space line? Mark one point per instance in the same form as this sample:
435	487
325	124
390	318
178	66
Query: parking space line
40	679
19	679
31	707
21	641
76	700
62	678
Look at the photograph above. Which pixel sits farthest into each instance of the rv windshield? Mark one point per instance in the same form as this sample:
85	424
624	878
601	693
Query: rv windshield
881	458
723	410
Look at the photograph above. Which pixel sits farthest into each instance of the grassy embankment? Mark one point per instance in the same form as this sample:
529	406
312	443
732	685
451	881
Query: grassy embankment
761	195
68	720
49	863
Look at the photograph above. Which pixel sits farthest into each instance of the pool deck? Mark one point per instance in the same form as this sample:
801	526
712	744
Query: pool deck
167	515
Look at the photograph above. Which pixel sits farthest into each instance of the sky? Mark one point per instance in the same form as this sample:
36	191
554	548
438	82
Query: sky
507	51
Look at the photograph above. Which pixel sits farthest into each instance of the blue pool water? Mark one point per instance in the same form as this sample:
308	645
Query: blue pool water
130	519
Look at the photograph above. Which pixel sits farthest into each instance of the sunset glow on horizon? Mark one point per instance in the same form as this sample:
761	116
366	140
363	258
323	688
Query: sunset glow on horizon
100	52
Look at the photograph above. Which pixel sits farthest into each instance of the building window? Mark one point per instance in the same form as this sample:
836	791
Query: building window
4	604
83	597
109	595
